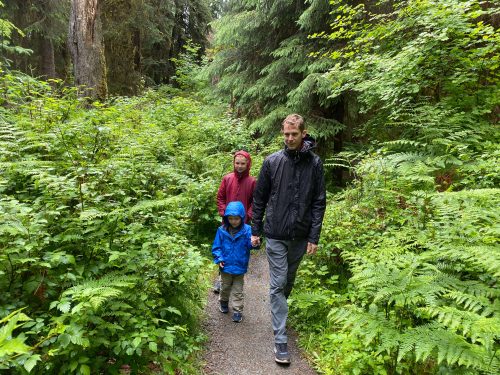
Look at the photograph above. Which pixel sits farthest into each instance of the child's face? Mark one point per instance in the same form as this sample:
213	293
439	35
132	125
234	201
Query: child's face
240	163
235	221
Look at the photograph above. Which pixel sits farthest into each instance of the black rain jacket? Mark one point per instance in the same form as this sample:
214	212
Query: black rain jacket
291	191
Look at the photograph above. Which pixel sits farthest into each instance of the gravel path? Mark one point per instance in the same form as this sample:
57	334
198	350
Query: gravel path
246	348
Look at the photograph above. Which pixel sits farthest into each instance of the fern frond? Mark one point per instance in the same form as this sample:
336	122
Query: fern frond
96	292
484	259
403	143
369	325
338	161
468	301
476	326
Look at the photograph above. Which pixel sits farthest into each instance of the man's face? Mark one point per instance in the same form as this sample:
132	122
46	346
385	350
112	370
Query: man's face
293	136
234	221
240	163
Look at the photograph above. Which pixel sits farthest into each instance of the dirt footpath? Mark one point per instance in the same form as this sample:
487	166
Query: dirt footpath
246	348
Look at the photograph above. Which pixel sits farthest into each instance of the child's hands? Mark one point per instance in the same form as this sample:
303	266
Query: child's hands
255	241
221	264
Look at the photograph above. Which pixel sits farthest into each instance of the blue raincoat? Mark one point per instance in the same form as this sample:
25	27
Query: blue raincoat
233	251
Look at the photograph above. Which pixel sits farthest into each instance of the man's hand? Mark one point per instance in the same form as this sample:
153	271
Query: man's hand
221	264
311	248
255	241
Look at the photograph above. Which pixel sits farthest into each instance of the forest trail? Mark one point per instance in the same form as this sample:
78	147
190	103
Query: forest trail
246	348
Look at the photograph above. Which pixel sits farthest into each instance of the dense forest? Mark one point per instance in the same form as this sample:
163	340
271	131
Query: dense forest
118	119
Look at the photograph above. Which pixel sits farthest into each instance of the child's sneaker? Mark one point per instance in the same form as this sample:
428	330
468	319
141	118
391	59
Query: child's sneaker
224	307
281	354
237	317
216	287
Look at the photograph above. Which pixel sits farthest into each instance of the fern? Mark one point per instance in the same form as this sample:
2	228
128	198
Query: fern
102	211
369	325
10	136
431	339
423	288
479	327
95	292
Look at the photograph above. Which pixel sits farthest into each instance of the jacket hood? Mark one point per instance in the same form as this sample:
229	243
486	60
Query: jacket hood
308	144
234	209
247	156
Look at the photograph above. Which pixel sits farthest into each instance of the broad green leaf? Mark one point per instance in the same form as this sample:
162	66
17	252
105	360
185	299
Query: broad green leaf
168	339
13	346
84	370
136	341
31	362
152	346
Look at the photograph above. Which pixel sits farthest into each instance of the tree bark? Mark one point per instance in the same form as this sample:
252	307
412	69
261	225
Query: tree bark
121	21
47	61
87	48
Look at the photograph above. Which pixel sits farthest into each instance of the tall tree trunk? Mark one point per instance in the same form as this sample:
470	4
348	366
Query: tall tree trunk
137	50
87	48
47	62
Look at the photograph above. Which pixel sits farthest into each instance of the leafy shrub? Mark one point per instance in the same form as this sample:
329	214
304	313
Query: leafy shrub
413	242
421	269
104	213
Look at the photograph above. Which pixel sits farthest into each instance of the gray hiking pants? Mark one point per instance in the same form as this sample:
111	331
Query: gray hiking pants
284	258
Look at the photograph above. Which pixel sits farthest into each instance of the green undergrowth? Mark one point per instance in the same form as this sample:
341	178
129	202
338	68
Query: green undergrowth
406	279
104	216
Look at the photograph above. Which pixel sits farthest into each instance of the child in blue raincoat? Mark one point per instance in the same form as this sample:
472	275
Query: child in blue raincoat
231	251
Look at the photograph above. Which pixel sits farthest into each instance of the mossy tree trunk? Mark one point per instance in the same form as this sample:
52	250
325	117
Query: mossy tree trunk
121	21
87	48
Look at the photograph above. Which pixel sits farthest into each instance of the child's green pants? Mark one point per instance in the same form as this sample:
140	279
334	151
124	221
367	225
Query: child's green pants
232	284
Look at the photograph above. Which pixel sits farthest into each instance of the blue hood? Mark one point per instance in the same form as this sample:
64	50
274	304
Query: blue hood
234	209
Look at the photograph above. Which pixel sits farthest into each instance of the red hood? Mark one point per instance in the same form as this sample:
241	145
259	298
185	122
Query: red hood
247	156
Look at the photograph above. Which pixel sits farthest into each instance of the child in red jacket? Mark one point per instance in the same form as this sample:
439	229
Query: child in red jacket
237	185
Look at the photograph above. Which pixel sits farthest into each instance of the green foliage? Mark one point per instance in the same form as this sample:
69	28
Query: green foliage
261	64
409	54
188	69
105	213
421	284
413	241
7	29
11	347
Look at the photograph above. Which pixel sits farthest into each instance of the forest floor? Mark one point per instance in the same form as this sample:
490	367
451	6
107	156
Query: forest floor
246	348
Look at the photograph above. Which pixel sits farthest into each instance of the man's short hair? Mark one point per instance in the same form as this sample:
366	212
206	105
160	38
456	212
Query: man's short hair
295	120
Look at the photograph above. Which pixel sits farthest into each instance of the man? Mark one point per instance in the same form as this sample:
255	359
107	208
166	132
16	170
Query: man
236	186
291	190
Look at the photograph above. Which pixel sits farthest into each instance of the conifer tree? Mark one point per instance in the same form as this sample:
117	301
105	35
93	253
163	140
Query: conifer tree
140	38
262	63
167	28
45	27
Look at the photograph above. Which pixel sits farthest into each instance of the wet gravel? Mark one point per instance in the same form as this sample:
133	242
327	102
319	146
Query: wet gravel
246	348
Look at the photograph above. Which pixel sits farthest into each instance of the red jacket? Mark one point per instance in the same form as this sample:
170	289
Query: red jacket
237	187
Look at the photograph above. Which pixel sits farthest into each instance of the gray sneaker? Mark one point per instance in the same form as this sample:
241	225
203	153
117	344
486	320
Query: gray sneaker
281	354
